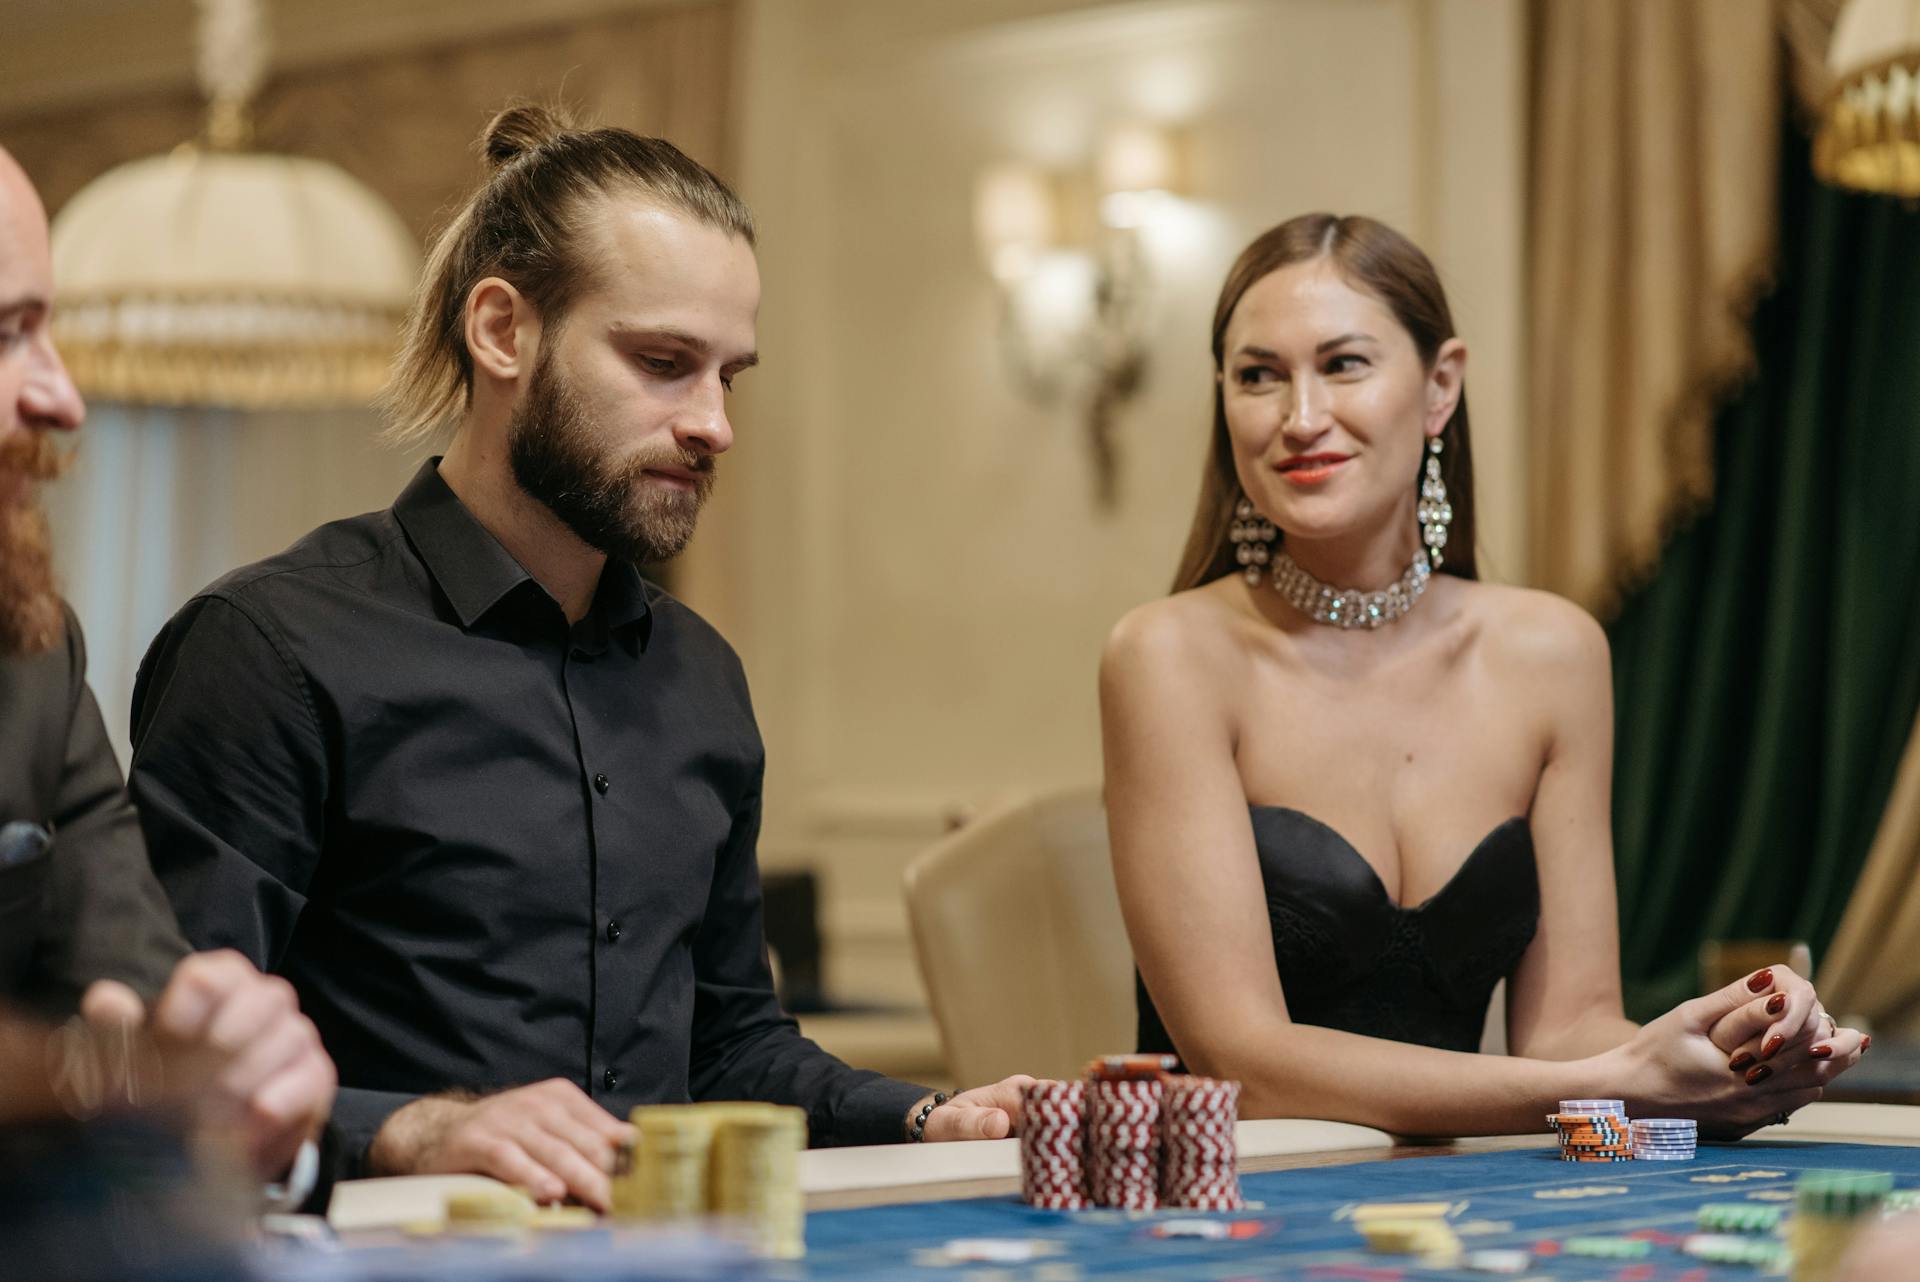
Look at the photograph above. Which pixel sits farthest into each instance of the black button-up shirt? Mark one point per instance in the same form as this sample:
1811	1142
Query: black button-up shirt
486	847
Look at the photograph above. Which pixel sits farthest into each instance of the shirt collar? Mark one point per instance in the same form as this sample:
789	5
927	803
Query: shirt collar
476	573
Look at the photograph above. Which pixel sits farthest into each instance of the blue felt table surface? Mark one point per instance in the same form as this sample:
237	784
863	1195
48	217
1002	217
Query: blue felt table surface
1307	1233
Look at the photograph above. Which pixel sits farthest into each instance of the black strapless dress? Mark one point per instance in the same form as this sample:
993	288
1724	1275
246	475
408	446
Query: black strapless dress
1352	959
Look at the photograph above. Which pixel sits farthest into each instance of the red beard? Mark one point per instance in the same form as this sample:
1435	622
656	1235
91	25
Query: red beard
30	614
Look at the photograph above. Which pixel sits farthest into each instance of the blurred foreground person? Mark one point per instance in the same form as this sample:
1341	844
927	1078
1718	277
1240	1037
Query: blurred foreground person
158	1042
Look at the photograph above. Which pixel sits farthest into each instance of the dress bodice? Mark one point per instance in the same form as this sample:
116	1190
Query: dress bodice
1351	958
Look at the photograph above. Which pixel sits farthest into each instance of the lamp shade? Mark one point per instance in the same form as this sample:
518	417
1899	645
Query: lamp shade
230	279
1869	136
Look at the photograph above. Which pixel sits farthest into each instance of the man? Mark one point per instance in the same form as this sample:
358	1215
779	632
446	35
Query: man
83	924
487	797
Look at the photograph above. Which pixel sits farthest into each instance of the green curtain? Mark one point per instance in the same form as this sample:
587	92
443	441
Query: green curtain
1766	678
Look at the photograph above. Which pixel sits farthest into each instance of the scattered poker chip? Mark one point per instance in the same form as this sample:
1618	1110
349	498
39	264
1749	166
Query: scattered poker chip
1731	1248
1738	1217
1210	1230
1608	1248
1497	1261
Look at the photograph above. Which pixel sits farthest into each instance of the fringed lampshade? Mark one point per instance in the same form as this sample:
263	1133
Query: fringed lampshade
1869	136
221	277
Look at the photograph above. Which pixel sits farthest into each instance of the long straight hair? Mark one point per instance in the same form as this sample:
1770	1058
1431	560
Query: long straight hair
1378	260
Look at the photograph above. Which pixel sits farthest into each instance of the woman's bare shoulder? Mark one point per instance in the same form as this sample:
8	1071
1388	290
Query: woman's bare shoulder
1197	627
1536	632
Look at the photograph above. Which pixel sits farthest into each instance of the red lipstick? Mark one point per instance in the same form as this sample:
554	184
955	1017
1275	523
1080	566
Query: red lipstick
1311	469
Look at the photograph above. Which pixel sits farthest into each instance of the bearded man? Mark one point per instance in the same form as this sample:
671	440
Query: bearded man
83	926
487	797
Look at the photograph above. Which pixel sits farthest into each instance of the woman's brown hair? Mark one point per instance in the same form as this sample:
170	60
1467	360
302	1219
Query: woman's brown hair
526	225
1379	260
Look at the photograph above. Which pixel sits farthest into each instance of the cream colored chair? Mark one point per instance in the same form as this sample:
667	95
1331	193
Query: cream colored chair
1018	931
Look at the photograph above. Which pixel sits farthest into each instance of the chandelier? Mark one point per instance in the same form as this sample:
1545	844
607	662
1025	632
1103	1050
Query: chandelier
220	276
1869	136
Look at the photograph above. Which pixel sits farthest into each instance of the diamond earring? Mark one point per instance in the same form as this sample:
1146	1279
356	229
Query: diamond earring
1252	537
1434	512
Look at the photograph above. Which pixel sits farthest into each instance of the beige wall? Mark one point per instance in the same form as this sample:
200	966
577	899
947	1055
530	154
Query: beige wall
905	551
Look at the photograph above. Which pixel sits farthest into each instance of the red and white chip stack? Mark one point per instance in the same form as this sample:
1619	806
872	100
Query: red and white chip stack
1200	1168
1053	1146
1123	1143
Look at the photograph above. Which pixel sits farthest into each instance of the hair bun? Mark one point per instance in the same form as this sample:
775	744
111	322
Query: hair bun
521	128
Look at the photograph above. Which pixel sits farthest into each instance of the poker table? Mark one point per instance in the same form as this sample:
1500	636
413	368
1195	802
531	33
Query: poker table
953	1212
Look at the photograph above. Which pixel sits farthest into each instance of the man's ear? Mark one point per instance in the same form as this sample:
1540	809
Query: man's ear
502	330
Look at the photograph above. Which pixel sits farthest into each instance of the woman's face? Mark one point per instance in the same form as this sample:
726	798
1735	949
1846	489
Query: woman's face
1328	403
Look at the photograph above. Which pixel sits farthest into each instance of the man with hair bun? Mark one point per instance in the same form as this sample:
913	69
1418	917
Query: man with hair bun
487	797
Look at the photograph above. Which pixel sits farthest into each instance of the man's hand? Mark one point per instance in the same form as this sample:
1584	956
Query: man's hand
550	1138
983	1113
236	1050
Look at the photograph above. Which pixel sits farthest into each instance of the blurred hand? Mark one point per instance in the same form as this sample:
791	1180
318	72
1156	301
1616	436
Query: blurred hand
549	1138
235	1049
983	1113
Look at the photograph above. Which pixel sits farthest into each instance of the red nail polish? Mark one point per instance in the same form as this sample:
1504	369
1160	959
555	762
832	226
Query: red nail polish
1772	1047
1740	1062
1776	1003
1762	980
1819	1052
1865	1042
1758	1074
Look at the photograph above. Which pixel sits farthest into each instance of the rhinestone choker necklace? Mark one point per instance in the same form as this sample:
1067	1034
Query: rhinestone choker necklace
1349	607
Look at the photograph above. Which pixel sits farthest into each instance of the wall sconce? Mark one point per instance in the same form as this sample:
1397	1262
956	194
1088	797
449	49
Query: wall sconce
1066	255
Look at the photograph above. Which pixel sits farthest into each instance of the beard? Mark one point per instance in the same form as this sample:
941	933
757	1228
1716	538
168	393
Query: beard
31	620
563	458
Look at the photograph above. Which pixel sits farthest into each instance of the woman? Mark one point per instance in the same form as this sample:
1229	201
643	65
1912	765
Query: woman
1350	787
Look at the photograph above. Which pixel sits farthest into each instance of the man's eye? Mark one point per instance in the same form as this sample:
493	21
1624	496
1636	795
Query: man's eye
659	364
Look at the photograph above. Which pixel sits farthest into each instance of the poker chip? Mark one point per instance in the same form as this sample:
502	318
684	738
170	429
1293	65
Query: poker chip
1731	1248
1052	1146
1591	1134
740	1161
1131	1136
1200	1159
1831	1207
1738	1217
1664	1139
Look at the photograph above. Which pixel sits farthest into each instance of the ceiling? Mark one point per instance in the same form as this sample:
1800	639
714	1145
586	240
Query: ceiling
61	52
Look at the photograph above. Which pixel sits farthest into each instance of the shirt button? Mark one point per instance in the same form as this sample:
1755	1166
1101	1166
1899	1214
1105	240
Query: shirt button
610	1079
601	783
613	932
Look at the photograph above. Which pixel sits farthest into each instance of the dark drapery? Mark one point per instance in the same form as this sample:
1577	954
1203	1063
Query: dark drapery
1766	678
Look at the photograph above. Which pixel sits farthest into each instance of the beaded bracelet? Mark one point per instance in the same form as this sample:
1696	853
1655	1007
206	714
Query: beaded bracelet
918	1131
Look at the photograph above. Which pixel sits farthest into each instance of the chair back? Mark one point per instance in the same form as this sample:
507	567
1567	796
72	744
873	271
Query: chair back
1018	931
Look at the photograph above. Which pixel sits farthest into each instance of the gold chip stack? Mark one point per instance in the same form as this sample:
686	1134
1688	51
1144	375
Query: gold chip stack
663	1178
755	1174
733	1161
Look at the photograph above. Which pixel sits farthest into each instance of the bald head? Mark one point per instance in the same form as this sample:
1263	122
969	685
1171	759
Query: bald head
37	400
36	395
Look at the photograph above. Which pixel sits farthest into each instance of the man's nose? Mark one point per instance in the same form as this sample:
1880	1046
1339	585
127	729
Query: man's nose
48	398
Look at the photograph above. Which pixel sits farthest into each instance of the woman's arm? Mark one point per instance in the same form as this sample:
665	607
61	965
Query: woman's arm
1563	1000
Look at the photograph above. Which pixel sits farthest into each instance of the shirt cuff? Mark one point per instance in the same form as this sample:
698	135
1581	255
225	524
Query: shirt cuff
358	1115
874	1112
301	1178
